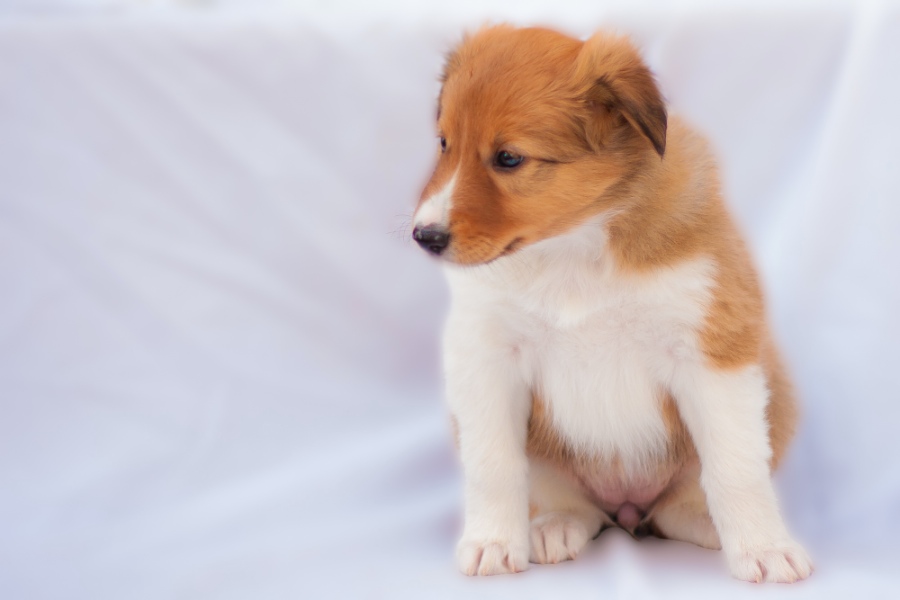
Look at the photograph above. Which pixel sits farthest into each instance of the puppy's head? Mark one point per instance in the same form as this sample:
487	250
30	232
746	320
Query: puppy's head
535	130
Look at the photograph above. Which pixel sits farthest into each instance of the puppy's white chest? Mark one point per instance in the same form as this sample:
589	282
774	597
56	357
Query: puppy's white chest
597	345
597	380
601	369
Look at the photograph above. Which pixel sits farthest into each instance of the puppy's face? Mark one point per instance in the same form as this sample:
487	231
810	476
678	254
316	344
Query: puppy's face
535	129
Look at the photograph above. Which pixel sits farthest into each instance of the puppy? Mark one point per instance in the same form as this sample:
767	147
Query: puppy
606	355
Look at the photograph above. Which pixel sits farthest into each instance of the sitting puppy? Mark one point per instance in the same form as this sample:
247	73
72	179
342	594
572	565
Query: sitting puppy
606	354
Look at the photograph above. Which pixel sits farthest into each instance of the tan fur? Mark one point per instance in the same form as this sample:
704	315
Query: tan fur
592	125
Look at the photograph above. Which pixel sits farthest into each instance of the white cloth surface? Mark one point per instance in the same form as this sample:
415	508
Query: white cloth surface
219	351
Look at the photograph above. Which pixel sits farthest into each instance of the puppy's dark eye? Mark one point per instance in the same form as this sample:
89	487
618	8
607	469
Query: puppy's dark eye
508	160
443	144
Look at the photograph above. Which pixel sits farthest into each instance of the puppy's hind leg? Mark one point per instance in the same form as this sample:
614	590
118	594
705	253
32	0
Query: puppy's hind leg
682	515
563	520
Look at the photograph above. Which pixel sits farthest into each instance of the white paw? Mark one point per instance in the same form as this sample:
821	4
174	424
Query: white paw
556	537
489	557
784	562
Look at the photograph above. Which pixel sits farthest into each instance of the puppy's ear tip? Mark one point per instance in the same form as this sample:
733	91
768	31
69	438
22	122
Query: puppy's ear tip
658	138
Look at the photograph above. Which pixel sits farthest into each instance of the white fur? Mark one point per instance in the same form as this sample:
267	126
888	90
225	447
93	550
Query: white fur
725	414
492	434
435	210
589	339
600	346
565	518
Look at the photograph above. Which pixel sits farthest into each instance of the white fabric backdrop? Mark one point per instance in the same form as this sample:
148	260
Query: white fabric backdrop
218	350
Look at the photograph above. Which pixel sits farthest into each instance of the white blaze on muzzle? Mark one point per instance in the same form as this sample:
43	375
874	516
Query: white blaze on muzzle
435	211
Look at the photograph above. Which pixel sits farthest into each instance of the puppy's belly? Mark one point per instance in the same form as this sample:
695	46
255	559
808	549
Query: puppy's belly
627	497
625	493
598	415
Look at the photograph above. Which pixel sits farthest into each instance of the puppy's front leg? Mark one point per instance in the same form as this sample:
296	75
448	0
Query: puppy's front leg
725	412
490	402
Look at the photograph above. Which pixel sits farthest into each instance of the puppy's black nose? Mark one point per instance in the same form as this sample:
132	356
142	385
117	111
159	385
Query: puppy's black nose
432	238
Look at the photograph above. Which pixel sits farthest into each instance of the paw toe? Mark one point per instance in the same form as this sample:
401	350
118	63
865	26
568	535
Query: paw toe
783	563
490	558
556	537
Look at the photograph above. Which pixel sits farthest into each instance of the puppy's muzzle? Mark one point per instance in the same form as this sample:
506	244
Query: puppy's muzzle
433	239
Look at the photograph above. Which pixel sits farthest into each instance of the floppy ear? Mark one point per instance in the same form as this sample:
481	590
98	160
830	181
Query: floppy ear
615	79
